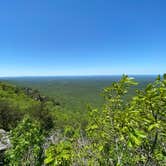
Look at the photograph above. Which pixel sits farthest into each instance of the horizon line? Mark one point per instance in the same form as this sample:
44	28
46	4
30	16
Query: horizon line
87	75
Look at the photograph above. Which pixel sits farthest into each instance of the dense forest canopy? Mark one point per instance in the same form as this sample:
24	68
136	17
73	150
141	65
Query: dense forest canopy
75	92
120	132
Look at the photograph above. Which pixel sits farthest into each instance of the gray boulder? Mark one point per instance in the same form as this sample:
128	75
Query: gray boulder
4	140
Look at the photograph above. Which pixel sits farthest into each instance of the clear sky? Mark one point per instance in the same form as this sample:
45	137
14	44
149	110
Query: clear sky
82	37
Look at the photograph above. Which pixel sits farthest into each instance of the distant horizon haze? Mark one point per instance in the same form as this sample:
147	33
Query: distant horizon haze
88	75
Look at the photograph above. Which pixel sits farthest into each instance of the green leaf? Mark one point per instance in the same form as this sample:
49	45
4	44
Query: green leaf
48	160
129	144
148	87
151	127
135	139
140	133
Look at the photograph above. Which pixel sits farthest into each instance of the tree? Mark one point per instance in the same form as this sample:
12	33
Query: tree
129	133
9	116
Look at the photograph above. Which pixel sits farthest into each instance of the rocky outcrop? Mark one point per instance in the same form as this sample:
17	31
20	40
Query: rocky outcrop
4	140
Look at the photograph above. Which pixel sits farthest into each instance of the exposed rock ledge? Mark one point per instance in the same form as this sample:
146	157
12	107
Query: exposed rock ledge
4	140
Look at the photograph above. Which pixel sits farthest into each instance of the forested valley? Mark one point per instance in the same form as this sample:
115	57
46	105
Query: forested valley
35	131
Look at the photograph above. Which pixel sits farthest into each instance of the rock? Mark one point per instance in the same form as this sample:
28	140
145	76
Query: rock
54	138
4	140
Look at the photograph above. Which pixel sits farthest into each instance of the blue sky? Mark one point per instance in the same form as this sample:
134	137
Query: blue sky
82	37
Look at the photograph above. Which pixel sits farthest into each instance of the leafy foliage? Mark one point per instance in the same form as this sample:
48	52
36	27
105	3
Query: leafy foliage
123	132
27	144
130	133
16	102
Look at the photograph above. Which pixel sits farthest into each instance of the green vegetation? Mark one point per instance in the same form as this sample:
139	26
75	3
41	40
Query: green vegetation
27	141
75	93
16	102
120	132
